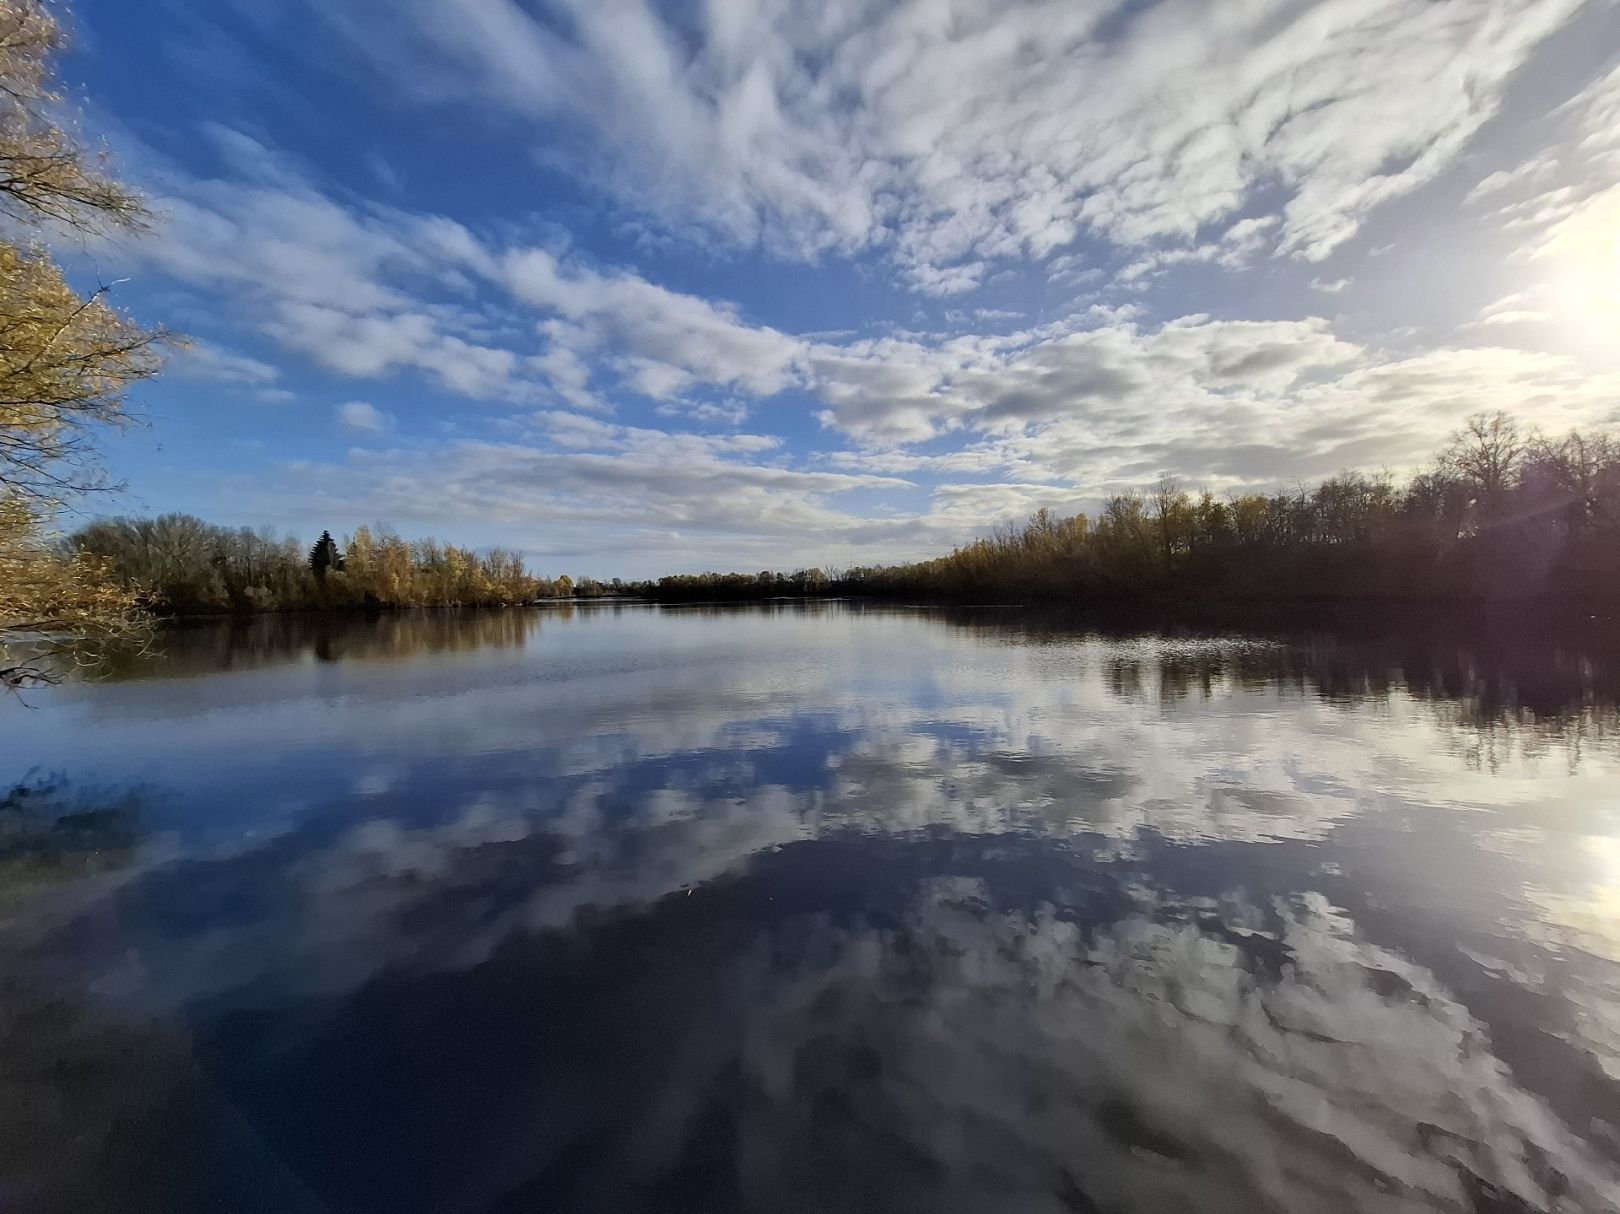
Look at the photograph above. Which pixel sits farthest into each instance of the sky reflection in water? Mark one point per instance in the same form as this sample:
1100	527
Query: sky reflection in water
819	909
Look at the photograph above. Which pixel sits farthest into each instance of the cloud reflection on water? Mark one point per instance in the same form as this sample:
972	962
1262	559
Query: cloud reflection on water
1010	921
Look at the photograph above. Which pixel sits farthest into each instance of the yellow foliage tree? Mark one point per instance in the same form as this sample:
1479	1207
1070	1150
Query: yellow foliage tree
66	362
57	610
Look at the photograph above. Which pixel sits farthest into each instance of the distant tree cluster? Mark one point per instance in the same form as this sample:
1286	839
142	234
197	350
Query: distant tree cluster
735	587
1503	513
184	565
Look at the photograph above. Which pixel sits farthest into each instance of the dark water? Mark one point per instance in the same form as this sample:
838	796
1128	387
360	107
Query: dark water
800	910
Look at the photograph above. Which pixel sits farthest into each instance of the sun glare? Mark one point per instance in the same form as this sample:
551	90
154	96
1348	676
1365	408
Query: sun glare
1582	258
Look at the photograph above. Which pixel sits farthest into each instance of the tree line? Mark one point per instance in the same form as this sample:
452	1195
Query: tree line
1502	512
734	587
181	565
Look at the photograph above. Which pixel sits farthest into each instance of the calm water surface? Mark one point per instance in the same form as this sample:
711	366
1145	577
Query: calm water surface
812	909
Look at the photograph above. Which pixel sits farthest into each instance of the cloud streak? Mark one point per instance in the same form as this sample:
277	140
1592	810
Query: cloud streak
956	134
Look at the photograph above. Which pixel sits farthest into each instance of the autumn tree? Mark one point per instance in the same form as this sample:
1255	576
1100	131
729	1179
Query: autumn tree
66	362
56	610
187	565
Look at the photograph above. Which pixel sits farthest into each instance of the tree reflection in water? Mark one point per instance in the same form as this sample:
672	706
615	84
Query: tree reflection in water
1503	688
209	646
1196	922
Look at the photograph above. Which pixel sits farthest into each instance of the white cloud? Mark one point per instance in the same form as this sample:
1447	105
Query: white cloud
584	474
1581	160
983	315
664	341
369	292
1218	403
343	285
729	413
359	417
1536	169
211	363
1110	374
958	132
575	431
1515	308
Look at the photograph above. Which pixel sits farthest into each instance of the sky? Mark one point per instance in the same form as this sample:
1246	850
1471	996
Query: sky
638	288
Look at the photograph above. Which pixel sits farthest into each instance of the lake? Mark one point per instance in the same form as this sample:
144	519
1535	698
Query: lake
805	908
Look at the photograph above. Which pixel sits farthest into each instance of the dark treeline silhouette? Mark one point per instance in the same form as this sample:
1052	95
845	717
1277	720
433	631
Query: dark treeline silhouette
735	587
187	566
1501	514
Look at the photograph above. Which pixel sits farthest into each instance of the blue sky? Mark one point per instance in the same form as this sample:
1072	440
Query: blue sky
639	288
